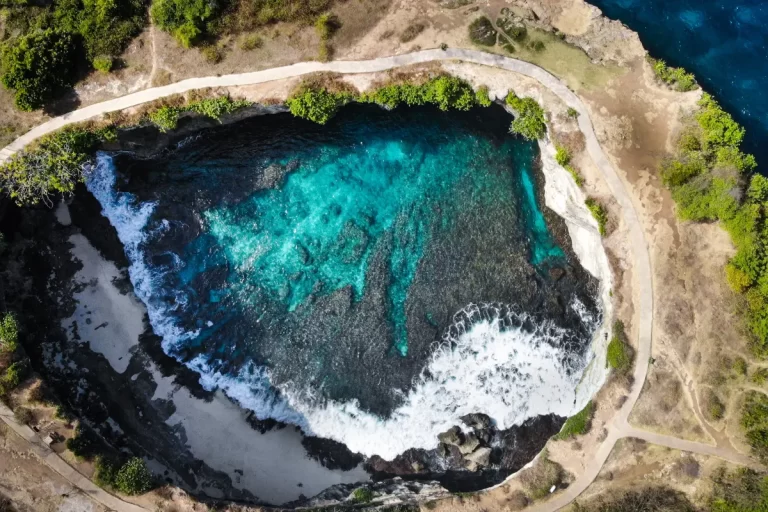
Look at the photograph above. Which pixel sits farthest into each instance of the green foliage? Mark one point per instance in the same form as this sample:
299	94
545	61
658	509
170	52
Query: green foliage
481	32
572	113
562	155
363	495
760	376
326	25
316	104
707	178
185	19
53	165
529	119
740	366
754	421
514	30
678	78
38	66
166	117
536	46
9	334
575	174
133	477
713	405
619	354
578	424
481	96
11	378
599	212
743	490
106	471
446	92
103	63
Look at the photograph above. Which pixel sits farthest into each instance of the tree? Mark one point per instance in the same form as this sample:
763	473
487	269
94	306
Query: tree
133	477
38	66
185	19
529	119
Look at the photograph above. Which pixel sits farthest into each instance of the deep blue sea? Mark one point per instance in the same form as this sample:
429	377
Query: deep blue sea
370	280
724	43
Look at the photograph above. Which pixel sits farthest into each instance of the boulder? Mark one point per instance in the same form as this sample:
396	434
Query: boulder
480	457
471	442
476	420
452	436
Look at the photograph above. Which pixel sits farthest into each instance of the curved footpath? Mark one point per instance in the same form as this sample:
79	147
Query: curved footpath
619	427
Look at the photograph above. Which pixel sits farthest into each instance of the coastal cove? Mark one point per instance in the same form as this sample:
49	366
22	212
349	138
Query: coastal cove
585	223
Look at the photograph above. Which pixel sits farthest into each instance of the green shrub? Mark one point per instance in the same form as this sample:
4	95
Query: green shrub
166	118
326	25
760	376
575	174
529	119
38	66
562	155
85	444
742	490
481	96
133	477
572	113
619	353
600	214
106	472
754	421
713	405
536	46
578	424
512	29
324	51
363	495
446	92
186	20
53	164
740	366
9	334
251	42
481	32
316	104
678	78
103	63
212	54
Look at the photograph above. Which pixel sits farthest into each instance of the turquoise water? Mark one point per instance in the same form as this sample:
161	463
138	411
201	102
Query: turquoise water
724	43
336	256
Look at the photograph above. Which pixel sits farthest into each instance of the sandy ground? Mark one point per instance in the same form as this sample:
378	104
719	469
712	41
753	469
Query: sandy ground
31	486
273	466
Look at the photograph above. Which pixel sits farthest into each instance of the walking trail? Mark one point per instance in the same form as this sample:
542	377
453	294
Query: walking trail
619	427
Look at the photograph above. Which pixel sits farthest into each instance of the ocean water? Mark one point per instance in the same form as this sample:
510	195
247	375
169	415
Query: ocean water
724	43
369	281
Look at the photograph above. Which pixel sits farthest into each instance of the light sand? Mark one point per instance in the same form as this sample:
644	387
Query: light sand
272	466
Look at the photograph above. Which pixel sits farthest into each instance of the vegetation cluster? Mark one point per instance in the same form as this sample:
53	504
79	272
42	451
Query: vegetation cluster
12	360
46	44
619	354
677	78
166	118
563	158
578	424
529	119
599	213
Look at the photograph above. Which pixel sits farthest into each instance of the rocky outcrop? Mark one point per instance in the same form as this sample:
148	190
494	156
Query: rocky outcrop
395	491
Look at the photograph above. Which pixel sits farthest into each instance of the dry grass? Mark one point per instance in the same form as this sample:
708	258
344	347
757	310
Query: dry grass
541	477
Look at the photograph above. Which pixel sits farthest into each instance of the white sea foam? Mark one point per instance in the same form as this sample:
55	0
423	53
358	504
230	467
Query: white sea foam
490	363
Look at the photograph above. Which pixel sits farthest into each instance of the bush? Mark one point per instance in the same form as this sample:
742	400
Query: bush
133	477
742	490
411	31
539	479
103	63
481	96
619	353
186	20
600	214
481	32
251	42
578	424
536	46
212	54
678	78
740	366
9	334
38	66
760	376
316	104
52	165
572	113
363	495
166	117
754	421
23	415
446	92
326	25
85	444
562	155
713	405
529	119
106	472
514	30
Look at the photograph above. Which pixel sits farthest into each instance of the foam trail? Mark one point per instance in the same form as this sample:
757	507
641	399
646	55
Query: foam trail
492	360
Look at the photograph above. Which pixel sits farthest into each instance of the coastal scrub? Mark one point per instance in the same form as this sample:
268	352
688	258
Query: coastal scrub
167	117
578	424
446	92
678	78
317	104
529	119
563	158
599	213
619	353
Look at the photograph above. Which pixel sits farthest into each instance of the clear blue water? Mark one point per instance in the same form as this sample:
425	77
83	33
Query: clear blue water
724	43
336	256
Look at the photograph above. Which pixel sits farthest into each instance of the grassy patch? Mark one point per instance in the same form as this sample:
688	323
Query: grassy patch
619	354
578	424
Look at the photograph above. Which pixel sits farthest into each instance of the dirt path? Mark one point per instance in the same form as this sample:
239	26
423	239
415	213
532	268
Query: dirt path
618	427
